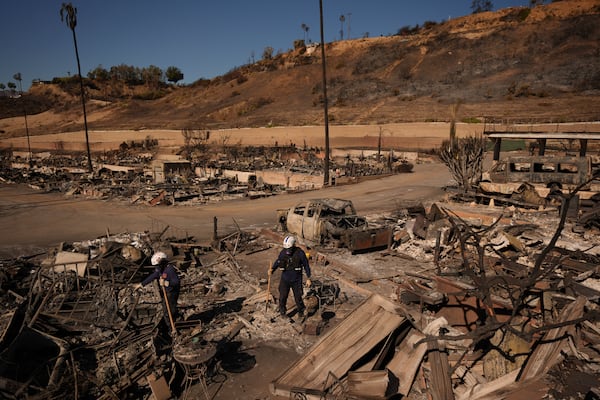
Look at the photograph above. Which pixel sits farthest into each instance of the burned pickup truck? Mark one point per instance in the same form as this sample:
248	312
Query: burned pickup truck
333	222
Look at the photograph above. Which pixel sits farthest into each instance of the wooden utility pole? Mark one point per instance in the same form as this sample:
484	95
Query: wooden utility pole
326	166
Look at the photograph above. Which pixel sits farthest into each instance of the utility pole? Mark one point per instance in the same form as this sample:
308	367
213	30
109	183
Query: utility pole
19	78
326	161
348	17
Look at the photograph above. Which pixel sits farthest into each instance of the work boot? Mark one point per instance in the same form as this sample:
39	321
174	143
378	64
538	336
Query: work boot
282	313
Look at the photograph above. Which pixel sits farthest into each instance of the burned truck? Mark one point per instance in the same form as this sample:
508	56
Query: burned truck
333	222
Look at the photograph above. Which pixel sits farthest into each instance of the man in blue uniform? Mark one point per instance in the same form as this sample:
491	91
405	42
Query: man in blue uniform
167	277
291	261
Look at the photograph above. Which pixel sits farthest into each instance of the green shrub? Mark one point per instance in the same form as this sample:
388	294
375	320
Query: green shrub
508	145
471	120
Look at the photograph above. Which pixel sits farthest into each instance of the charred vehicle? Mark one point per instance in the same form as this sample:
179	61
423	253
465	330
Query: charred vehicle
544	172
333	221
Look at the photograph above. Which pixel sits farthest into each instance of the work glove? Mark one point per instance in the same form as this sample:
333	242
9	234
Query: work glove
270	272
137	286
165	283
308	282
161	282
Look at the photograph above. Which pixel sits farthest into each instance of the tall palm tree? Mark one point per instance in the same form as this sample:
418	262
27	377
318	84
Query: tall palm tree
68	13
305	28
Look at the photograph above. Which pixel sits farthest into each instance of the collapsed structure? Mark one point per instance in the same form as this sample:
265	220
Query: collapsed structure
462	302
465	303
483	307
139	173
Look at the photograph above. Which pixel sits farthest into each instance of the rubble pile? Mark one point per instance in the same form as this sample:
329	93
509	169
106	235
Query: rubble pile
466	304
137	173
75	327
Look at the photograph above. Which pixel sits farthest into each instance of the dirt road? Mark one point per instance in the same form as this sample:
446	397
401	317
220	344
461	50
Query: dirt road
33	220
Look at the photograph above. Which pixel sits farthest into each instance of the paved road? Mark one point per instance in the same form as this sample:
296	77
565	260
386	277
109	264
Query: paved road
32	220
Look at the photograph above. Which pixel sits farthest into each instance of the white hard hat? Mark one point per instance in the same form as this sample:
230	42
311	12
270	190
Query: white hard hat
289	242
158	257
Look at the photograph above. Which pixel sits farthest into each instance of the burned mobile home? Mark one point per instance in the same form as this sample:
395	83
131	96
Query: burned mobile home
558	166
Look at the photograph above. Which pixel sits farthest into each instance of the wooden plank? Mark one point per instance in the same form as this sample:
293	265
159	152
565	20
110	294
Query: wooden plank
489	390
548	350
371	384
160	388
441	383
340	348
407	359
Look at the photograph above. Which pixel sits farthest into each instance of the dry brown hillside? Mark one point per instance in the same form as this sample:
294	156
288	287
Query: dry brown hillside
539	64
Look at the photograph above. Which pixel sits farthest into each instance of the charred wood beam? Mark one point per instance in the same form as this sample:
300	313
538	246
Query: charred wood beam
441	382
548	350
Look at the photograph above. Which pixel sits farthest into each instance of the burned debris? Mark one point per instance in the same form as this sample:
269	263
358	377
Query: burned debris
461	301
466	304
198	173
75	327
560	168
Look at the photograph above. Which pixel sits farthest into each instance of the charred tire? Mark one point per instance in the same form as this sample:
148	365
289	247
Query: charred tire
283	223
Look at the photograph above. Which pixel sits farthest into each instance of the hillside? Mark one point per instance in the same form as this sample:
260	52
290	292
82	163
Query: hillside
540	64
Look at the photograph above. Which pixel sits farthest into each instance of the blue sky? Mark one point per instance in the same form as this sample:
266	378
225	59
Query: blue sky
202	38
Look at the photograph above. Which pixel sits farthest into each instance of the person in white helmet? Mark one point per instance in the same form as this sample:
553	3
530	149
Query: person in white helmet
166	275
291	261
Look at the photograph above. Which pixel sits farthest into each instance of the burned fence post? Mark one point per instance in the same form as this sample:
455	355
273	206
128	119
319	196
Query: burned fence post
215	236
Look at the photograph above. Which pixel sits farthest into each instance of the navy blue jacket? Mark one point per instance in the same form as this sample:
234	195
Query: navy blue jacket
168	273
291	275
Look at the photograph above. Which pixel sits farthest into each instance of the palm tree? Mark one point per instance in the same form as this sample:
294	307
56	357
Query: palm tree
68	13
19	78
305	28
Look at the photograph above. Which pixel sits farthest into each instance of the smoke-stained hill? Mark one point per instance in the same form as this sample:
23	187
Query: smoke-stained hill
519	63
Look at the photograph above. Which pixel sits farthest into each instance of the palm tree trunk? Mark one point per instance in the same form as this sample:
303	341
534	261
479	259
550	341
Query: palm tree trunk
87	141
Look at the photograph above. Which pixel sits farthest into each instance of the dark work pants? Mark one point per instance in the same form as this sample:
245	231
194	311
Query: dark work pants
285	284
172	296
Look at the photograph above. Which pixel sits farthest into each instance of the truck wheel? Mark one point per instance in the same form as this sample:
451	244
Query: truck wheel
283	224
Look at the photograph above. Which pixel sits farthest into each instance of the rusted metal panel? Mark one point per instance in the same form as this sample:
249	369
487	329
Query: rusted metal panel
370	239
